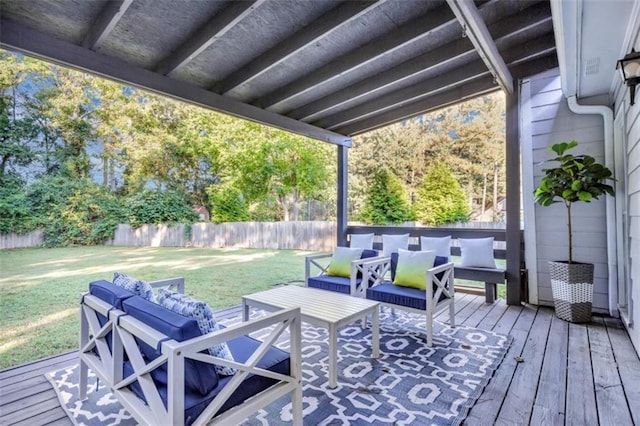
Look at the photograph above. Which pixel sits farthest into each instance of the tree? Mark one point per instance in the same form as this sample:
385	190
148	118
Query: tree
386	201
440	198
18	128
468	137
227	204
274	162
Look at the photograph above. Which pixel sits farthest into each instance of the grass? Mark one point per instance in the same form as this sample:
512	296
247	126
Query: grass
40	288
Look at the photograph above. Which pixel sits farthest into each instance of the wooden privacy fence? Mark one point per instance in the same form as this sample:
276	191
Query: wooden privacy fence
32	239
308	235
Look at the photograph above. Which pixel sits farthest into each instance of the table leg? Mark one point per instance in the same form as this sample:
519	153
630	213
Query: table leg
333	355
245	310
375	333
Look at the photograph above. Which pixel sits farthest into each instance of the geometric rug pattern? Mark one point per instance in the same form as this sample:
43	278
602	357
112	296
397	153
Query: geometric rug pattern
410	384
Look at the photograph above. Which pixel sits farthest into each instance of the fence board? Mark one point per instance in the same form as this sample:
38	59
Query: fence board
294	235
32	239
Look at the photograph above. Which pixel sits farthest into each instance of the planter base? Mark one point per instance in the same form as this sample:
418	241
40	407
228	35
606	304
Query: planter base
572	287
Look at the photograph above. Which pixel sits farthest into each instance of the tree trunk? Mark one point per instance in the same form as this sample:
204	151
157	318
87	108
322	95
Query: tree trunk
484	195
495	193
285	207
295	208
569	231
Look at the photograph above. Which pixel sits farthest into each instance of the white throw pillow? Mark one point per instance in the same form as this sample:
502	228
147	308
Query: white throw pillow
363	241
441	245
391	243
477	252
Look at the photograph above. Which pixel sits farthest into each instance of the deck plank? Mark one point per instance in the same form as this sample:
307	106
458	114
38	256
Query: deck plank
480	313
34	368
518	404
611	401
581	399
54	417
628	365
549	405
486	409
28	413
27	398
469	310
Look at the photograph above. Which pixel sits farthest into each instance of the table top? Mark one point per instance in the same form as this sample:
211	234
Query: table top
314	303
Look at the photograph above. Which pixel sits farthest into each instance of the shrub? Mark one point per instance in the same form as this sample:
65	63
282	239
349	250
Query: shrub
157	206
15	211
71	211
227	204
386	201
440	198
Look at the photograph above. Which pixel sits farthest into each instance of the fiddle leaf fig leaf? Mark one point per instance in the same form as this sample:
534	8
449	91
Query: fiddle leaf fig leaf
585	196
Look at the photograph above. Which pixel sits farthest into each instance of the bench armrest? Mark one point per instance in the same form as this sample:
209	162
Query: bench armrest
375	269
175	284
312	261
285	323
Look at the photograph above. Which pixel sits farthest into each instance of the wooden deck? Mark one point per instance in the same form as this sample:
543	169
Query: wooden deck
568	374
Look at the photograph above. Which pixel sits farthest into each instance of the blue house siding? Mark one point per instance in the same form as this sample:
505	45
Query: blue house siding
551	121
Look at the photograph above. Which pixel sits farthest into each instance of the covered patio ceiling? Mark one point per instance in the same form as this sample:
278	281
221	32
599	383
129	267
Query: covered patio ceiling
327	69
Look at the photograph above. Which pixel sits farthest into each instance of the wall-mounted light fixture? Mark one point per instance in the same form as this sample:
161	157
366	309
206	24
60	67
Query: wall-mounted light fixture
629	66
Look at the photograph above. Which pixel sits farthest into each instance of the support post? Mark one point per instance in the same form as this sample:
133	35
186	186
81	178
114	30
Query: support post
341	207
512	163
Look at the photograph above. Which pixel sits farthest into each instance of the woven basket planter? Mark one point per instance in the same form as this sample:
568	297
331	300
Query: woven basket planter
572	287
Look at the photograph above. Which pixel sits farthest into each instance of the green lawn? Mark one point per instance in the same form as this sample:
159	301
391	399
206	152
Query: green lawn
40	288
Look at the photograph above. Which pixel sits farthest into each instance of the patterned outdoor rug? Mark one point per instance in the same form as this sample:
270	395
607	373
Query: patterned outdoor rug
409	384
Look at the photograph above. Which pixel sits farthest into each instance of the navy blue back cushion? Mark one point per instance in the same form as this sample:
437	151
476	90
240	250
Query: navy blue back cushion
199	376
366	253
439	260
113	295
241	348
110	293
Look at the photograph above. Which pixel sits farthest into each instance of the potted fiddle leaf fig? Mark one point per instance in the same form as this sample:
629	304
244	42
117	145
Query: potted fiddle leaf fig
577	178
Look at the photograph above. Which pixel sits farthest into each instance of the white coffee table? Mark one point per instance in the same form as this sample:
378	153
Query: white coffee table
321	308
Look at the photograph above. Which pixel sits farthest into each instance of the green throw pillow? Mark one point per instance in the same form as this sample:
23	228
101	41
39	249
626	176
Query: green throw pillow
341	259
412	268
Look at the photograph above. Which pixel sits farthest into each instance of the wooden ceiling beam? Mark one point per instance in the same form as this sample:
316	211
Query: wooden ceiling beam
206	35
106	21
325	25
14	36
455	95
477	31
444	81
386	44
531	19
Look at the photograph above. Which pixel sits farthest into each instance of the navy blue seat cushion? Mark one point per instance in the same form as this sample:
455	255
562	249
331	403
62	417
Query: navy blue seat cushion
387	292
399	295
274	360
332	283
200	376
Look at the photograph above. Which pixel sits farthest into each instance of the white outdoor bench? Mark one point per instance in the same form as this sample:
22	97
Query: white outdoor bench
490	276
156	364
